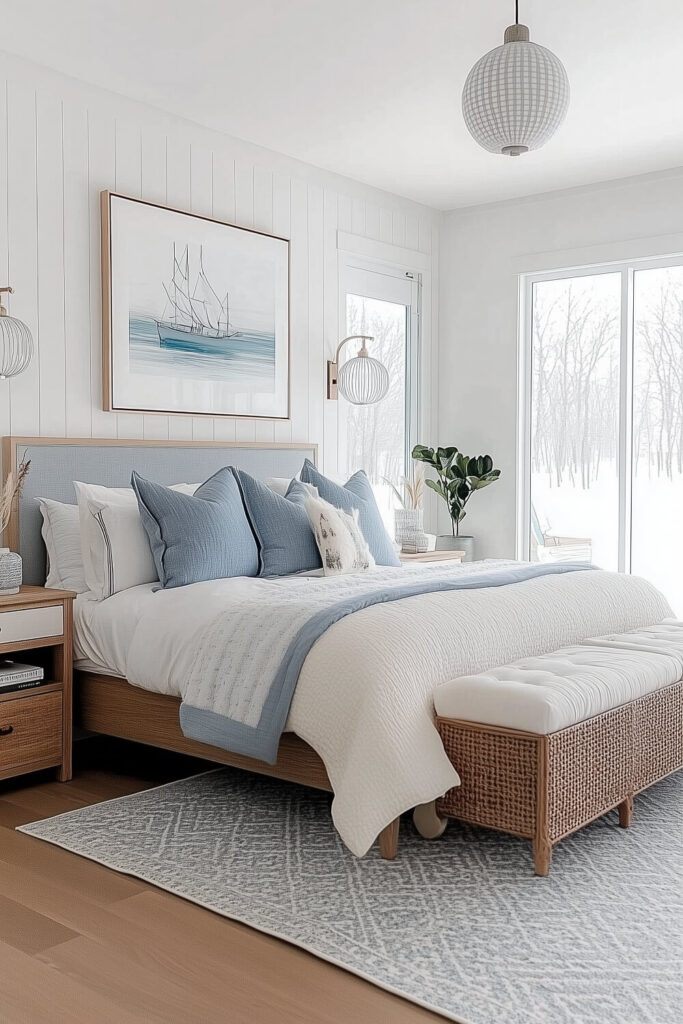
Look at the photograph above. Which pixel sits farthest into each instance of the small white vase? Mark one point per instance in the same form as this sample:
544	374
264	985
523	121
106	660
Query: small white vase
10	572
408	522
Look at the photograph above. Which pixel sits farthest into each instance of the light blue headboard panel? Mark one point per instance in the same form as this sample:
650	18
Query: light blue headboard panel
56	463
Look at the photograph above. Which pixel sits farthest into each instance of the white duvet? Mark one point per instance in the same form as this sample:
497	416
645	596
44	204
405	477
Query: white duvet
364	696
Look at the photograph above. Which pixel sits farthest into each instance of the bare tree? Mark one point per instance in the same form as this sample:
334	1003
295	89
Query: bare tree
575	366
576	379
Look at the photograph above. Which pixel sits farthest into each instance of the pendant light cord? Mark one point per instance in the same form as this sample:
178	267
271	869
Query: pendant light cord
516	12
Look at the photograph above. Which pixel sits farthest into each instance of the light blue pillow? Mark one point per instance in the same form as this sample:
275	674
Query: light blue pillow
356	493
202	536
283	533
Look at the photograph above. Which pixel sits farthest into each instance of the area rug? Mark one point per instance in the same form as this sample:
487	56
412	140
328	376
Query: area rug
460	925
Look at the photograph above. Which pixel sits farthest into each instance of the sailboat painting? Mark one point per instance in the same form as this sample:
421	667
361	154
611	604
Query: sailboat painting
197	319
197	314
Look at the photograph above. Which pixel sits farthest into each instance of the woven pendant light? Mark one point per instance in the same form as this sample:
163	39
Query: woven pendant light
516	96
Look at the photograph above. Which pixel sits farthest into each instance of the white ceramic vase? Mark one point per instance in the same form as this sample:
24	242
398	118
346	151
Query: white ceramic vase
10	572
408	522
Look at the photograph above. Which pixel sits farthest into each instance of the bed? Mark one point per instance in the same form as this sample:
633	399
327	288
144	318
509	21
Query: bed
109	705
361	722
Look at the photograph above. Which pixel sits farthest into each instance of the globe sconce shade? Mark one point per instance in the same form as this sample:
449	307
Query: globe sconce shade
516	96
16	343
361	380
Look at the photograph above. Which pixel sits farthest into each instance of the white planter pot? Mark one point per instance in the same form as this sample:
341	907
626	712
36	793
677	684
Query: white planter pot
10	572
447	542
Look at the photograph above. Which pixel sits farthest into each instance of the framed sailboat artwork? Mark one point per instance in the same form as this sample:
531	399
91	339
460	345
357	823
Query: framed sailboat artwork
195	314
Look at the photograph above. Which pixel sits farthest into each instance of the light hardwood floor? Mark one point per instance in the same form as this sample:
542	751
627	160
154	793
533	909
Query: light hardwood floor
82	944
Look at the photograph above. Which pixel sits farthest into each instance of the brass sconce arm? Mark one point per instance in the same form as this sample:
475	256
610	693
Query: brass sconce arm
333	364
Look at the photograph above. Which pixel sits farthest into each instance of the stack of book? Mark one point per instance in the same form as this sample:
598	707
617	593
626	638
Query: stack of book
419	543
14	676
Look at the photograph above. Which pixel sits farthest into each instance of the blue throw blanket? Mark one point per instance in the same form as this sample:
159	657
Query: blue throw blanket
259	738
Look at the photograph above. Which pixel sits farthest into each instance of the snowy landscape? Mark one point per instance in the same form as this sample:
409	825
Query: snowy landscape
575	420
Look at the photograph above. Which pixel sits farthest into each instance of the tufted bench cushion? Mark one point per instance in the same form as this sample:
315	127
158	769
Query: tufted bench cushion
553	691
547	744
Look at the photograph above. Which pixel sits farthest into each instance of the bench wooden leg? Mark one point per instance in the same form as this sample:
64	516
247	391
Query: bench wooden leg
388	840
626	812
543	852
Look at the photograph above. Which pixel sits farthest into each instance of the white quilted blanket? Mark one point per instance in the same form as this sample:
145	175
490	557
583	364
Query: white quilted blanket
364	696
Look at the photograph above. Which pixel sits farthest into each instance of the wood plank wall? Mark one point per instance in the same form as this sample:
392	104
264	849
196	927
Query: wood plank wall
61	142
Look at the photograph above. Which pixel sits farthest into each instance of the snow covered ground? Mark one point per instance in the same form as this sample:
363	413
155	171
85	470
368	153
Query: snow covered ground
657	523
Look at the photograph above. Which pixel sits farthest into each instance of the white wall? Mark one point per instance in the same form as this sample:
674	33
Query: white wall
483	251
61	142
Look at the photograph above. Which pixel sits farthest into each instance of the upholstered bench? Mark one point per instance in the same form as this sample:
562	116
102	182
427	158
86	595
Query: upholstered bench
547	744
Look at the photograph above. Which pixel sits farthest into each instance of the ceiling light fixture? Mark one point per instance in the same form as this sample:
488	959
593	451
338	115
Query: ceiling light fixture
516	96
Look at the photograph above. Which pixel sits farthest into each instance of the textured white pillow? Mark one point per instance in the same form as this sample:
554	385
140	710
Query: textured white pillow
341	543
279	484
114	545
62	535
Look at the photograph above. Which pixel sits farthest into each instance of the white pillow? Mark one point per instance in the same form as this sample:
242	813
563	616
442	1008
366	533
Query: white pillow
62	535
279	484
341	543
114	544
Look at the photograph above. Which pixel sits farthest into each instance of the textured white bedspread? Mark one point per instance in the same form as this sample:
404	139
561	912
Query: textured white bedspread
364	696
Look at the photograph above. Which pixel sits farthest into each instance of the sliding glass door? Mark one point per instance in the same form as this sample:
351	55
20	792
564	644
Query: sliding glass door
657	464
603	425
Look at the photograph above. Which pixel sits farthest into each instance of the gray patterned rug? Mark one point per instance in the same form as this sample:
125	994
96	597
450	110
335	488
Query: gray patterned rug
460	925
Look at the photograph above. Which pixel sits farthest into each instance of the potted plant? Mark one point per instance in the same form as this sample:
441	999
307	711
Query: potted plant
408	519
458	477
10	562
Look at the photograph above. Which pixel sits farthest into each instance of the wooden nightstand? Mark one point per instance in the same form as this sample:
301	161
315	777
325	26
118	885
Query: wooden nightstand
35	724
431	556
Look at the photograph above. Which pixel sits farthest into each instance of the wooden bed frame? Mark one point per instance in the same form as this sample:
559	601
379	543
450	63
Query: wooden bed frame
110	705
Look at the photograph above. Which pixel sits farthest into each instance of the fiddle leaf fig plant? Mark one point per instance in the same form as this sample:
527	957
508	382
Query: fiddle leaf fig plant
458	477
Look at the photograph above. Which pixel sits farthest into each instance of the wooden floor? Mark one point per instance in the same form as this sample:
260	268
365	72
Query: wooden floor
81	943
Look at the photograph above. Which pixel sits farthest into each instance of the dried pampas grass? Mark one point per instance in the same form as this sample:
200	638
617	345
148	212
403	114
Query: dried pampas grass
10	493
411	488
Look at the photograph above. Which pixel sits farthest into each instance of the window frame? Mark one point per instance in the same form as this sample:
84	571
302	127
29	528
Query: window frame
411	282
627	270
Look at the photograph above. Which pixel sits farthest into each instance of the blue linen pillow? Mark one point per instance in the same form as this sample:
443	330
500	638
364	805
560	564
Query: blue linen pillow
283	532
356	493
203	536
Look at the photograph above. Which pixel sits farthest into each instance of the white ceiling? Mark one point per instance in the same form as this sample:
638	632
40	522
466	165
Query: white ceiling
371	88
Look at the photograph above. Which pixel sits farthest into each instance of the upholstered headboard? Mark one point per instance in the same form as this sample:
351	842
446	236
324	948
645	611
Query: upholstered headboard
57	462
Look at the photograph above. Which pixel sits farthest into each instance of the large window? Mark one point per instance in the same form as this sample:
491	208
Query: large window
603	439
378	438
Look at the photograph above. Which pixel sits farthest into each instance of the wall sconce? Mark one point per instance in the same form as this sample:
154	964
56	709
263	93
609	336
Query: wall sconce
16	343
361	380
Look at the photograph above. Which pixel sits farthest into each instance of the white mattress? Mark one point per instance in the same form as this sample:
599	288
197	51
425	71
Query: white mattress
553	691
103	630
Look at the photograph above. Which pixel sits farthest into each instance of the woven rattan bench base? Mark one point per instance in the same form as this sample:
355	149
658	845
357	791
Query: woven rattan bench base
546	787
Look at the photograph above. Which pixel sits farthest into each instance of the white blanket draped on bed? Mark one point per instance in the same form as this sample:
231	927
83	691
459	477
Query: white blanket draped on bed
364	696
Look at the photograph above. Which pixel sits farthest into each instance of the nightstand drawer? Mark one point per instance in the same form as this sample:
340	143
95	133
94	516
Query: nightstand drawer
30	730
31	624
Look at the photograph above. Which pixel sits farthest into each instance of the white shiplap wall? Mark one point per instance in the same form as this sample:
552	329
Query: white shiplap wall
61	142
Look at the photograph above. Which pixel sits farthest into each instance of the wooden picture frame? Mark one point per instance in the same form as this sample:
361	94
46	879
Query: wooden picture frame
174	286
